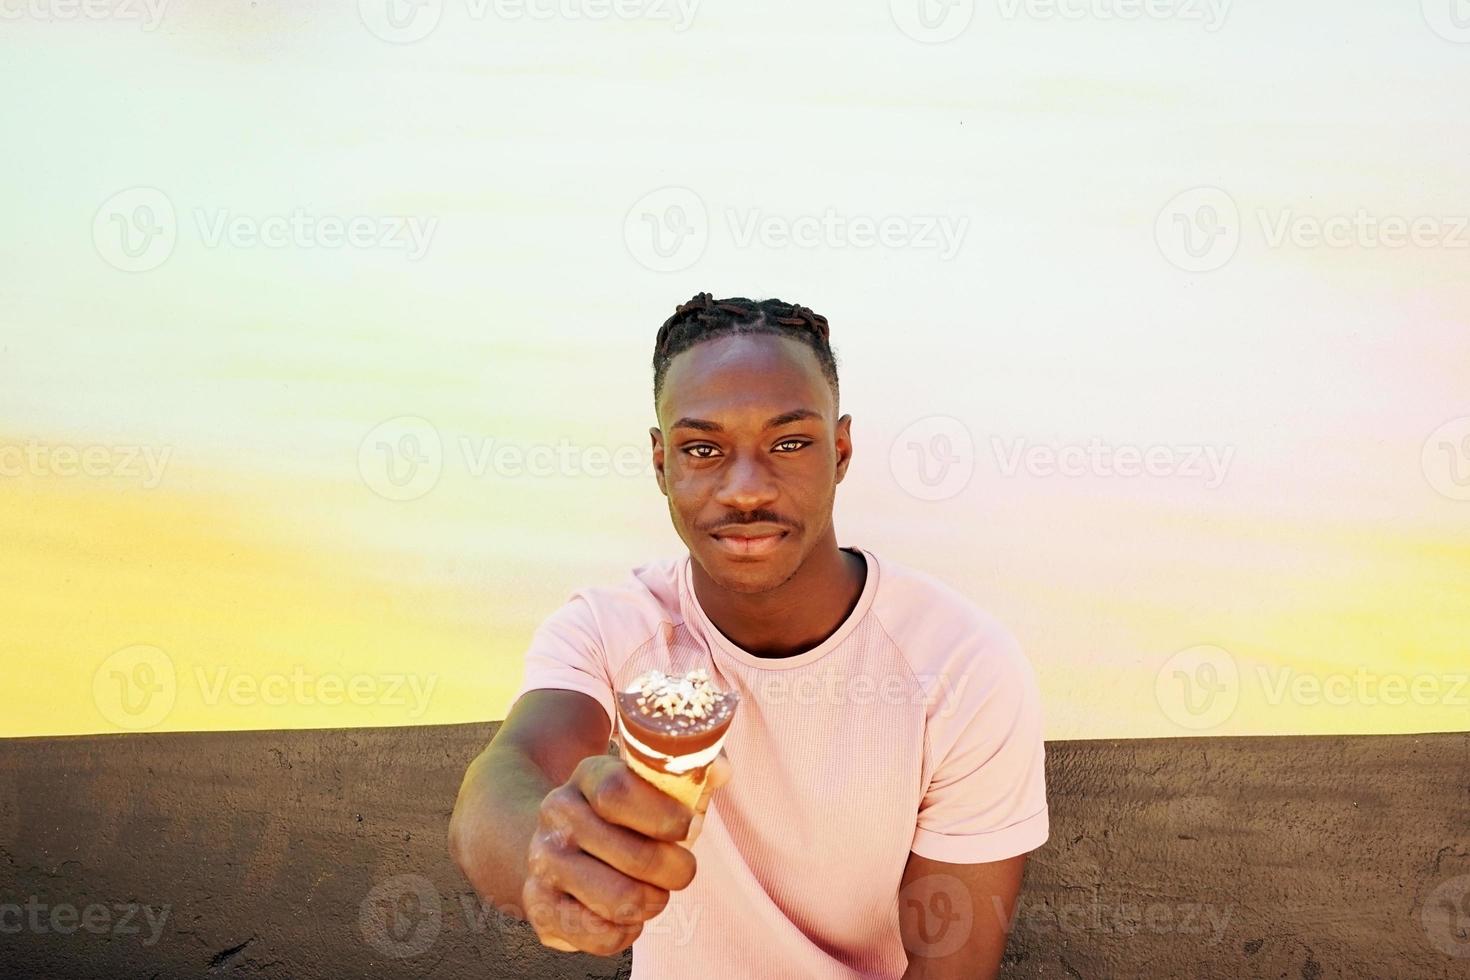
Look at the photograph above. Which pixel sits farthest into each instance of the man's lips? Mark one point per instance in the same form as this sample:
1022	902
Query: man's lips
750	539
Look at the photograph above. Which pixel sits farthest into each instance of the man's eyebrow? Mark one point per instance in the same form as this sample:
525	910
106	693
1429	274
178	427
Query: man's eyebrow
785	418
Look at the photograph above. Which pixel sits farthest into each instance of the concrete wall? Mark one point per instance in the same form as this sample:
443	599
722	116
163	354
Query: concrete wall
321	854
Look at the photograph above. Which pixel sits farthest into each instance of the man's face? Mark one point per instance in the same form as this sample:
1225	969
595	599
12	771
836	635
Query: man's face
750	499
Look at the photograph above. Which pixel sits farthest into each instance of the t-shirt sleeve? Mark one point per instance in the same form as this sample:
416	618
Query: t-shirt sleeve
567	653
986	797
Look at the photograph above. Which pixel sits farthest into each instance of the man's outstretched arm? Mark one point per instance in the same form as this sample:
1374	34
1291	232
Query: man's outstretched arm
536	749
552	829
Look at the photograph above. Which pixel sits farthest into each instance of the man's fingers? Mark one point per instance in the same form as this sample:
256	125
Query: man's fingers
608	892
561	922
658	863
618	795
718	775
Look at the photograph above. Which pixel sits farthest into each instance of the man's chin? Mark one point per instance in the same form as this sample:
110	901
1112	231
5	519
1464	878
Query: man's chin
747	586
745	577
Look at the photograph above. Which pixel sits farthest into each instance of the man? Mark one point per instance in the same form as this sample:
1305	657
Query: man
882	781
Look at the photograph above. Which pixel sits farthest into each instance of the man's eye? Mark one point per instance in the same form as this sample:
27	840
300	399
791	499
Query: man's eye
796	443
695	451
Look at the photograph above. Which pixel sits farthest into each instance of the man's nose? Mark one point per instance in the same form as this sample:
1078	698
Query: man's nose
748	483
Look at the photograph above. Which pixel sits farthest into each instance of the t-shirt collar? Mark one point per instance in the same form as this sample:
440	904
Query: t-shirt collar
695	614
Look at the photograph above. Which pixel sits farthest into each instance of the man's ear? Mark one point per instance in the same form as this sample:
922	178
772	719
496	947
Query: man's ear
657	436
843	443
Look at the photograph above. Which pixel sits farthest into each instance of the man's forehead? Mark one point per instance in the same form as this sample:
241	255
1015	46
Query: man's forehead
743	376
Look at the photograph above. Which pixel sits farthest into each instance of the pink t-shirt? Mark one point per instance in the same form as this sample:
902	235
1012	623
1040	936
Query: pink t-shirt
916	726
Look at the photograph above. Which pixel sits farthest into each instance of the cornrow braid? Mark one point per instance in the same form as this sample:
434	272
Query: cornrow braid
705	318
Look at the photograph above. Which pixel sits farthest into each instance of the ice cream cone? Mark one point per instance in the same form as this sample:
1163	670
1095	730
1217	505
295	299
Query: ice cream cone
670	730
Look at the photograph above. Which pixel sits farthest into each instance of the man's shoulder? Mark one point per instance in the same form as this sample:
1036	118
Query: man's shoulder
655	580
637	602
936	626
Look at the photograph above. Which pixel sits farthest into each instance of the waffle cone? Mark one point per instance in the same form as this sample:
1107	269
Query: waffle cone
685	787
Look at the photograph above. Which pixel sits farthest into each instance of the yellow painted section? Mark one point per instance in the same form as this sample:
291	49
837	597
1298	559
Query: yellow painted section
260	476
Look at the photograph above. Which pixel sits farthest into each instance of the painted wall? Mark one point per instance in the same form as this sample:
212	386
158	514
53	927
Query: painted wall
322	854
326	326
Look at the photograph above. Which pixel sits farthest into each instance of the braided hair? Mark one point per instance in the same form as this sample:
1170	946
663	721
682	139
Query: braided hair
705	318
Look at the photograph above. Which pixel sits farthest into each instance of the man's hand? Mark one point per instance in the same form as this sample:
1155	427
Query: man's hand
607	851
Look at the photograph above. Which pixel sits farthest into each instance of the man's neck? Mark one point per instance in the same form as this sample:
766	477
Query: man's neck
795	616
